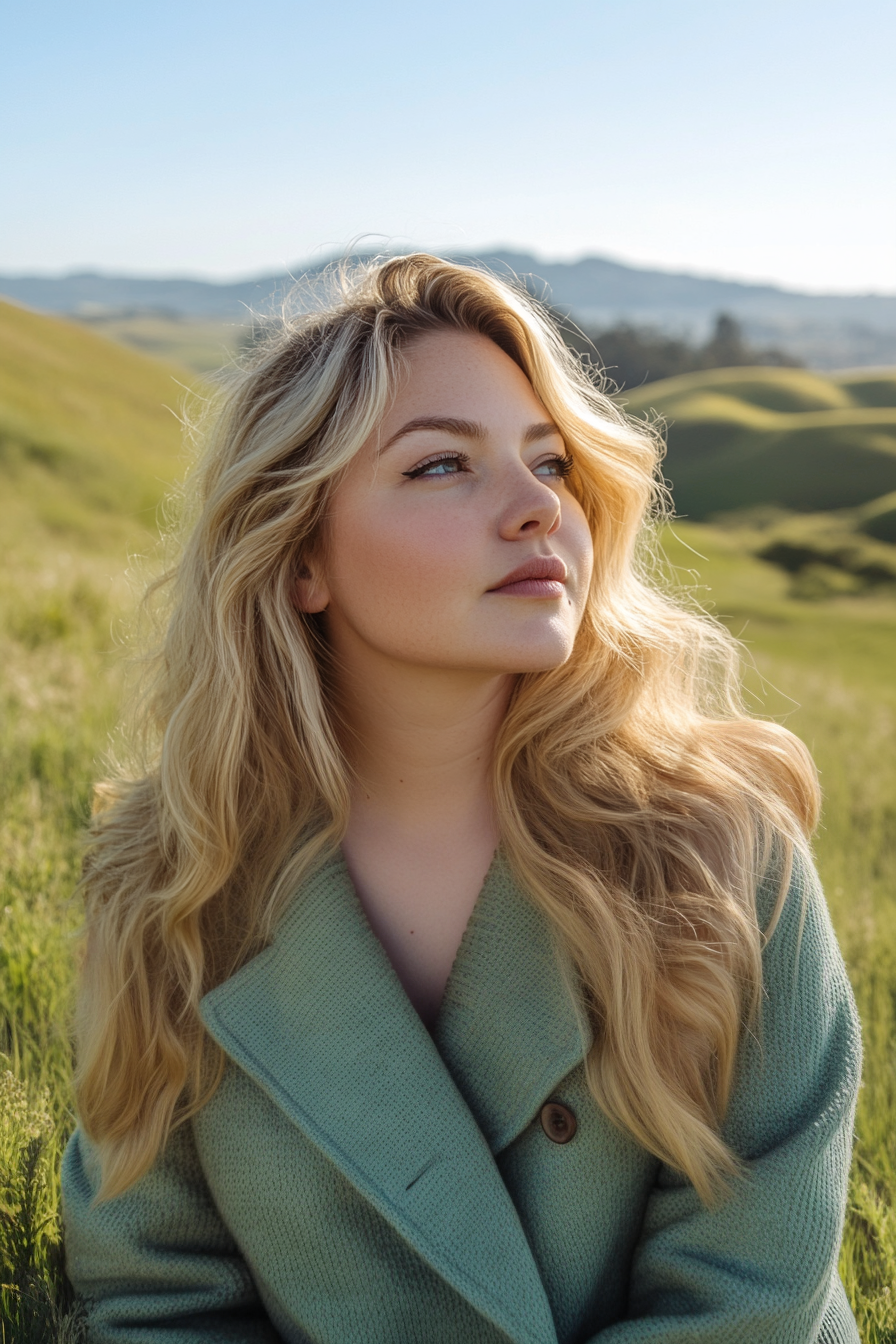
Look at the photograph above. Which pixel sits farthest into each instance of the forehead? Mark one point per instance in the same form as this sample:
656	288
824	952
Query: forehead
463	375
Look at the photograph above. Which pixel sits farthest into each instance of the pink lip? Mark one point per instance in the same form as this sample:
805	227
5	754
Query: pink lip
542	576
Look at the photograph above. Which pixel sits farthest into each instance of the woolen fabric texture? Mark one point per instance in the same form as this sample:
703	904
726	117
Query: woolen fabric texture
358	1180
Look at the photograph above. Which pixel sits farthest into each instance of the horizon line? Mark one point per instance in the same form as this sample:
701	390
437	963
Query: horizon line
310	264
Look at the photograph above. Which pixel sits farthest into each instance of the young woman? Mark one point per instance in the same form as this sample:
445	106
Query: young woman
456	971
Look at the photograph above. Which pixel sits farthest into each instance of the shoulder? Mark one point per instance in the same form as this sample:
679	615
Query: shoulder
802	1055
801	952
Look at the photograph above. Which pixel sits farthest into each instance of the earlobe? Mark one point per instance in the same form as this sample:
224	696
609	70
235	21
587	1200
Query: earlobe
310	592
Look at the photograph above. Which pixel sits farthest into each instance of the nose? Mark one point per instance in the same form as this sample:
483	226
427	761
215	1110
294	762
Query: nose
531	507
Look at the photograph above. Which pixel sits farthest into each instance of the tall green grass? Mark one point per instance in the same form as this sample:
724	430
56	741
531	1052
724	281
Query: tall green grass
58	703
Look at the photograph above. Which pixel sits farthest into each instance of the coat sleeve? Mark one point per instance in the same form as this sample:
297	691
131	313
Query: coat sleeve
156	1263
762	1267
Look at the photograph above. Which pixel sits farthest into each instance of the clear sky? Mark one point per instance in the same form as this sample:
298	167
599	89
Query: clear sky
753	140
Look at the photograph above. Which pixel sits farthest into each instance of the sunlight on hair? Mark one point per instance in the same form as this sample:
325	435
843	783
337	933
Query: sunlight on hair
639	804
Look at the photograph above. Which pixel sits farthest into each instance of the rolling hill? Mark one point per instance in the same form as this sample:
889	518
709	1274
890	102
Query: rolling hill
800	469
787	437
90	439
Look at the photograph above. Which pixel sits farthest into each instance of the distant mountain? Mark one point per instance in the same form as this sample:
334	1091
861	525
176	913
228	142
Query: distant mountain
825	330
600	291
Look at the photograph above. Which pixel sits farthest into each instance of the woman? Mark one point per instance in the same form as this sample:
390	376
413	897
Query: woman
456	969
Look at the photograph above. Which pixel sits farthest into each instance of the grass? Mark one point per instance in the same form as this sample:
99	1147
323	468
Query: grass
824	668
89	442
58	705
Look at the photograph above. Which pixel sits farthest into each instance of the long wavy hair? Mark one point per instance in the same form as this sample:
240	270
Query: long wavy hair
638	803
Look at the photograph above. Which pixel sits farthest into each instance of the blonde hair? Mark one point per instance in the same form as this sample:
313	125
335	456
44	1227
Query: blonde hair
638	803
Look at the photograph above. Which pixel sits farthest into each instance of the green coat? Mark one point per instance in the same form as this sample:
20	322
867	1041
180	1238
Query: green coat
356	1180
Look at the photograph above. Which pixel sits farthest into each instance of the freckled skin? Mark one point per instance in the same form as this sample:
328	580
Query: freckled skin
409	562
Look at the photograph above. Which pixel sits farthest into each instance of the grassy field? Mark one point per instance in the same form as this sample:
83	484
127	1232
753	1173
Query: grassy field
823	667
89	442
89	435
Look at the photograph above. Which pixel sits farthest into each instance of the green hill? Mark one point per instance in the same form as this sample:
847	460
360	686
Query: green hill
90	439
200	345
878	519
739	438
870	387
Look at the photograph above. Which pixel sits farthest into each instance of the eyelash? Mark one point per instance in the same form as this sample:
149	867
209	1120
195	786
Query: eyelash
563	463
462	458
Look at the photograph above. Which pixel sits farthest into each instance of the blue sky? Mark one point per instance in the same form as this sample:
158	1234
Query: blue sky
755	140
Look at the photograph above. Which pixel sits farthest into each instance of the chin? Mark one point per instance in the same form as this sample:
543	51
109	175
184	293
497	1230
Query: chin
540	648
541	656
540	664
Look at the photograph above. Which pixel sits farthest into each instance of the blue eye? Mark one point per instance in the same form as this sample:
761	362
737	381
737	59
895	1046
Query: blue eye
451	464
558	467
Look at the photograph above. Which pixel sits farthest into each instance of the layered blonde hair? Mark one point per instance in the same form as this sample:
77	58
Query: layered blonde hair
638	803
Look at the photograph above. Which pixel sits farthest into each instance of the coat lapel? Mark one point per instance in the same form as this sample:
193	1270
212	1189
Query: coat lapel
321	1021
508	1028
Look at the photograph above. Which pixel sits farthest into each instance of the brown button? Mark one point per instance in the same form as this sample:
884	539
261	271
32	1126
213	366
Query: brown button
558	1122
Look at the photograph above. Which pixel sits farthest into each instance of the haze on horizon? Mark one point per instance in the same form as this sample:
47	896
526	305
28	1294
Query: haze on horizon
753	142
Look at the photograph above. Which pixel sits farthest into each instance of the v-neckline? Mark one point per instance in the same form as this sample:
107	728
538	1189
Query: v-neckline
508	967
322	1019
498	865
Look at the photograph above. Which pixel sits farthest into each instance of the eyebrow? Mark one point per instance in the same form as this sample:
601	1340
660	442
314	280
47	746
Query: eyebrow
467	429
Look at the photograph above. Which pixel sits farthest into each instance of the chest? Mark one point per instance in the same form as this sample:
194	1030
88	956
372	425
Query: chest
419	905
332	1258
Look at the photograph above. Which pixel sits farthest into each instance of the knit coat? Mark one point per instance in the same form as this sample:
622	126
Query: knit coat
358	1180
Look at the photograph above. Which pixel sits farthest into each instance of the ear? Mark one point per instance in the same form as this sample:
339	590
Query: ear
311	592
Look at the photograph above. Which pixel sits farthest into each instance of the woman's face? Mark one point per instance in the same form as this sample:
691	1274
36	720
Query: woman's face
453	541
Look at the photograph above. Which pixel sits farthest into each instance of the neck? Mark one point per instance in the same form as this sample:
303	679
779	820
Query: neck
420	743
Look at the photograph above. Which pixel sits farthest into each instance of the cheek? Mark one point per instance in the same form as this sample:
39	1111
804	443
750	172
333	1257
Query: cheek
579	548
385	566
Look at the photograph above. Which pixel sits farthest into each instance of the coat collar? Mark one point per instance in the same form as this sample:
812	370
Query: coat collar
508	1029
321	1021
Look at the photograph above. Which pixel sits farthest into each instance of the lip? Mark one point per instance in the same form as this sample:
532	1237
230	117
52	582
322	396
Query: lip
542	576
